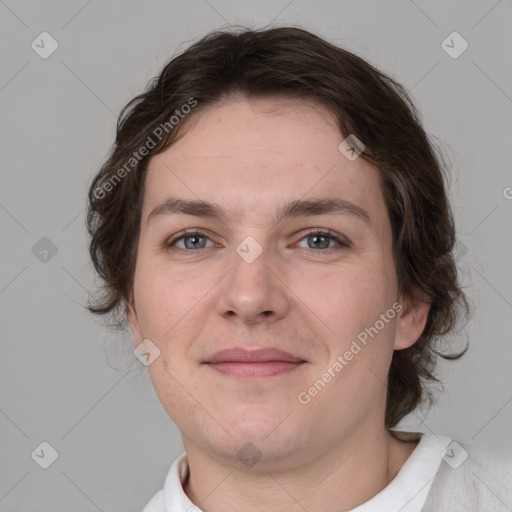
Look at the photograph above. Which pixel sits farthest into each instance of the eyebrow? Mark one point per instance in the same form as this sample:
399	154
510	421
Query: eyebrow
297	208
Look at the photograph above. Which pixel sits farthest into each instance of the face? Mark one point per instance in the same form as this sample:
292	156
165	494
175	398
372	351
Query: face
308	281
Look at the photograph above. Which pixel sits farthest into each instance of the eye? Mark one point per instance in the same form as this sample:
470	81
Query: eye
195	240
192	240
321	239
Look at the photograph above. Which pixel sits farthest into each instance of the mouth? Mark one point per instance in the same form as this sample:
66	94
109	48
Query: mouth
241	363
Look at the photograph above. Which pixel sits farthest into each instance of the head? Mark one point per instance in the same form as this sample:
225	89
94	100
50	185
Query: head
216	222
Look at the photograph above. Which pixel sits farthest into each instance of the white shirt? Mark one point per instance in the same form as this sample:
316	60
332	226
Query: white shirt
439	476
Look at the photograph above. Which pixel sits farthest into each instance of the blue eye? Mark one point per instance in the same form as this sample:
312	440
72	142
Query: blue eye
192	240
326	236
195	236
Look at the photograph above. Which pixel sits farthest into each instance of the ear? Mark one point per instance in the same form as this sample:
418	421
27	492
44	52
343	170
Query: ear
411	321
134	323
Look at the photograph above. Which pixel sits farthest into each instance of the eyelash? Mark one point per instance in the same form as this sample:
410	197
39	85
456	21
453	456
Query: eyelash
314	231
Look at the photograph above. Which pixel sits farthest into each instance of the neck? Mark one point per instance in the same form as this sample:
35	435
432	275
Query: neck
340	479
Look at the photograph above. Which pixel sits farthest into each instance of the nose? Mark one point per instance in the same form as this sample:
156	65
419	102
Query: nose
255	290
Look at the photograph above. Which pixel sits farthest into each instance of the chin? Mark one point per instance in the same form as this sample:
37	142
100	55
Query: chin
257	422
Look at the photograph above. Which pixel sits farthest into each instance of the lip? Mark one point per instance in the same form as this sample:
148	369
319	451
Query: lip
263	355
267	362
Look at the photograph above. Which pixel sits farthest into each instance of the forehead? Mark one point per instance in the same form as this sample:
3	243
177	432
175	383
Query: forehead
251	154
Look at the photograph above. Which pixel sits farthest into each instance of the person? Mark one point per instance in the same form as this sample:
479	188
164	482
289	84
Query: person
273	225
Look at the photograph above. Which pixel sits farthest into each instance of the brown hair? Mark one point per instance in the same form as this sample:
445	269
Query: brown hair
290	61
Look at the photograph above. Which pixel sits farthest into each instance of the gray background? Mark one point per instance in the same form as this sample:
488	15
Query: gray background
65	379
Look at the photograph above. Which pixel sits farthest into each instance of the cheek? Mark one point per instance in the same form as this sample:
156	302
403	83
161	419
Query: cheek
345	304
165	297
346	294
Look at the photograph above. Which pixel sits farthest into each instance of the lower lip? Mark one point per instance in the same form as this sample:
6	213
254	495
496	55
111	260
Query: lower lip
264	369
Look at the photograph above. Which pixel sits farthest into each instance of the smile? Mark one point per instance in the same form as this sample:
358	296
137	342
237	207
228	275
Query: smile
264	362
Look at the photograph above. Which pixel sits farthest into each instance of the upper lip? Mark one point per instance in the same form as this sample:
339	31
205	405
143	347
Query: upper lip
232	355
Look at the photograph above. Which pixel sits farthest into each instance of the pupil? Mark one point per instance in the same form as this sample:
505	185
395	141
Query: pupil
194	239
316	237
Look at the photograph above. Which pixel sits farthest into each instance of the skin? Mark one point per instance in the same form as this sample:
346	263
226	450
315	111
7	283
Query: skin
251	157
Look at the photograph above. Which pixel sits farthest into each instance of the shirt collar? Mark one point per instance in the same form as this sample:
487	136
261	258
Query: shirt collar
408	491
